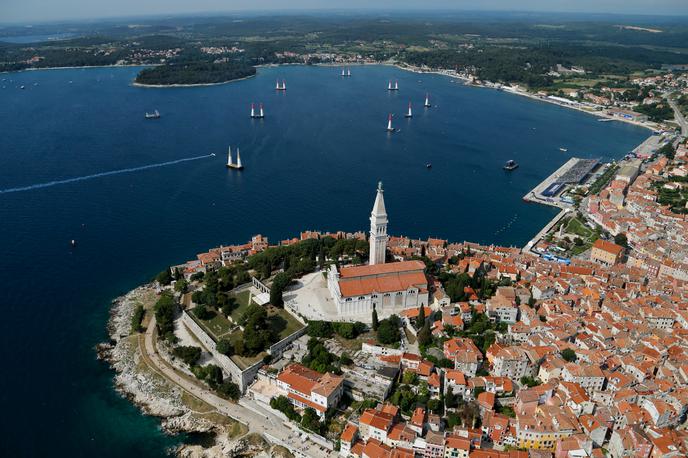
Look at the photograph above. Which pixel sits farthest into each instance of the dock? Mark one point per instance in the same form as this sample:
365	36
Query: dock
572	172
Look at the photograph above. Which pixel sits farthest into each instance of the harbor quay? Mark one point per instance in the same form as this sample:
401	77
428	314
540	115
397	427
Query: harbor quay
574	172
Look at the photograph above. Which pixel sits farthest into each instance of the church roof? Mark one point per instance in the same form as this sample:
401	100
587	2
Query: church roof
381	269
382	278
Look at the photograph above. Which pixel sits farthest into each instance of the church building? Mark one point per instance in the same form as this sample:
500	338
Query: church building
387	287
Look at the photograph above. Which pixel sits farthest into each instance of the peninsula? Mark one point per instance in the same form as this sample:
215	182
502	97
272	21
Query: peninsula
428	345
194	74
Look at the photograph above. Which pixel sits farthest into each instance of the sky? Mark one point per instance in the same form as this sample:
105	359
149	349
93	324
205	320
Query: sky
55	10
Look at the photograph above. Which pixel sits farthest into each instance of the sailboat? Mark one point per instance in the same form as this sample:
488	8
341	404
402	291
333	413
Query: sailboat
154	115
389	124
283	87
389	86
232	165
396	85
348	71
427	101
260	114
343	73
410	113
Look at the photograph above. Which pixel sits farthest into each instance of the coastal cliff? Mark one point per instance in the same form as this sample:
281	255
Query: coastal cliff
156	396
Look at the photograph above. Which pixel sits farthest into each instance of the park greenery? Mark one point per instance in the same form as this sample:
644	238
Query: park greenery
388	331
137	318
165	310
327	329
189	354
320	359
657	112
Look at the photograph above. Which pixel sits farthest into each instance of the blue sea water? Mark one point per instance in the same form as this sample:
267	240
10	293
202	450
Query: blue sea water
312	163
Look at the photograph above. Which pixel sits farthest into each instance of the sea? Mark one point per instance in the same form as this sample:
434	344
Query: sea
78	161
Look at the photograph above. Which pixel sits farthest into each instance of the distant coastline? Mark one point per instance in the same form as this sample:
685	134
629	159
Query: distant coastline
467	82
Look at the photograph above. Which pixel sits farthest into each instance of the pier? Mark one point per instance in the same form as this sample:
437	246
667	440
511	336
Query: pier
572	172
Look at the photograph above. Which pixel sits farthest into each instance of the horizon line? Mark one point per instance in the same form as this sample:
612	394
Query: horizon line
347	11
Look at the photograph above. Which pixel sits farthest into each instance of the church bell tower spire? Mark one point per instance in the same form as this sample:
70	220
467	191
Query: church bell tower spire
378	229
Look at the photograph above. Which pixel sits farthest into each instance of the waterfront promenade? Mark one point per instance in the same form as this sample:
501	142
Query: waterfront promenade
257	420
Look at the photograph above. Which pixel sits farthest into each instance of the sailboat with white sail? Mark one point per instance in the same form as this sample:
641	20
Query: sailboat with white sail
409	113
230	163
390	128
427	101
282	87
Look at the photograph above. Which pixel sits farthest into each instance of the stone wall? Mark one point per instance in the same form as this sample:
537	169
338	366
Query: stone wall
242	377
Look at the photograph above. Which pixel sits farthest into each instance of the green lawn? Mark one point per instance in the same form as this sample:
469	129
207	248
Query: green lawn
282	323
244	361
218	326
575	226
242	304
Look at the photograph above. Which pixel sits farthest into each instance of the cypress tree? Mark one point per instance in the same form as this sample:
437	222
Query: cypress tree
376	323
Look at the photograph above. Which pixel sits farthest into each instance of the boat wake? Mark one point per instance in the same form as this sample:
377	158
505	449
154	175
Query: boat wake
101	174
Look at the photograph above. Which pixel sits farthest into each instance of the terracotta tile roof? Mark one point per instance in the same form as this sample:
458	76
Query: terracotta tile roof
609	247
349	433
379	269
361	286
457	443
379	420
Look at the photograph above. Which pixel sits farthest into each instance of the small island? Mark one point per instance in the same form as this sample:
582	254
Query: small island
194	73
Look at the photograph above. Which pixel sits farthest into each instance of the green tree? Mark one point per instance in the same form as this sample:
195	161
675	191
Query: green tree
425	335
189	354
450	401
181	286
569	355
165	309
621	239
229	389
311	421
225	347
136	318
376	323
202	312
320	329
164	277
279	284
388	331
420	320
283	404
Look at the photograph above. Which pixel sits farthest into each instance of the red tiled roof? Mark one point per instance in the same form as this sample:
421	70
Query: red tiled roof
378	269
360	286
349	433
609	247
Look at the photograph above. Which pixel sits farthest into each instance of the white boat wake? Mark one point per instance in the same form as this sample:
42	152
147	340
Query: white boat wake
101	174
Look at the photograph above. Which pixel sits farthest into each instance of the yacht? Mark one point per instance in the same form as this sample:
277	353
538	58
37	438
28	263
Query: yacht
510	165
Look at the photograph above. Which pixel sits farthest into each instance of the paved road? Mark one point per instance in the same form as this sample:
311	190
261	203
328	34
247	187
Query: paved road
264	424
679	118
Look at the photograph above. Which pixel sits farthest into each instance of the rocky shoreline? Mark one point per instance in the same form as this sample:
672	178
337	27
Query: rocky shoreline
154	395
